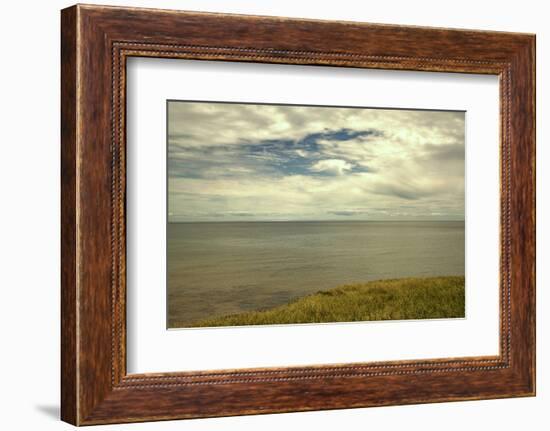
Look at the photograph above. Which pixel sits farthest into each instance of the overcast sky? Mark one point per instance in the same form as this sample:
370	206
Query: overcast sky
237	162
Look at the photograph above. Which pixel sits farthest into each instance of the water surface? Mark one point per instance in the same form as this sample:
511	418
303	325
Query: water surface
221	268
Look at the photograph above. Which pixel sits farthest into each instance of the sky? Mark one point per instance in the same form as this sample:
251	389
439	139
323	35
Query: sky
249	162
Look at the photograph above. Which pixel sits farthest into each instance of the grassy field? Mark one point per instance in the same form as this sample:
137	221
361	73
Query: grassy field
399	299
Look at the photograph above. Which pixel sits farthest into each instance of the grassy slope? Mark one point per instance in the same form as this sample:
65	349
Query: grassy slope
406	298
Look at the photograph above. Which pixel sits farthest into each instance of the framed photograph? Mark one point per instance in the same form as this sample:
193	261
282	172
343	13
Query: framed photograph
263	214
272	206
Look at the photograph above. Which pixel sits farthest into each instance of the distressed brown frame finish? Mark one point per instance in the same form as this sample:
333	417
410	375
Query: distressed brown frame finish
96	41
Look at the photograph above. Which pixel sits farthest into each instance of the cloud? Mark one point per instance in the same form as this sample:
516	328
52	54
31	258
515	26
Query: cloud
446	152
348	213
406	192
274	157
332	166
276	162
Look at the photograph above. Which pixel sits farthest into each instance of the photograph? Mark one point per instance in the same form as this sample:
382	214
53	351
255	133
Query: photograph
298	214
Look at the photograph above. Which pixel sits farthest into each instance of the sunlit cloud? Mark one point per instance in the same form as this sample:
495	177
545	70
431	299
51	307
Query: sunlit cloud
332	166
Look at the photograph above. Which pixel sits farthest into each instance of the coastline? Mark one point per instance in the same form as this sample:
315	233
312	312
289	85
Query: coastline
387	299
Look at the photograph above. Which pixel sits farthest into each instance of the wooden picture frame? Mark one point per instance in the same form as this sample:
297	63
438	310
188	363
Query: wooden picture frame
95	43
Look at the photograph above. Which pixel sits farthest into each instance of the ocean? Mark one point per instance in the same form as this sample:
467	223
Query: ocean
223	268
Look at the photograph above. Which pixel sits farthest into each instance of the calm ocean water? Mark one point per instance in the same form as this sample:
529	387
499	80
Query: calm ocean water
221	268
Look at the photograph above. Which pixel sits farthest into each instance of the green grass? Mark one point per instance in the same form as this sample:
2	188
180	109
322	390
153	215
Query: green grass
399	299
